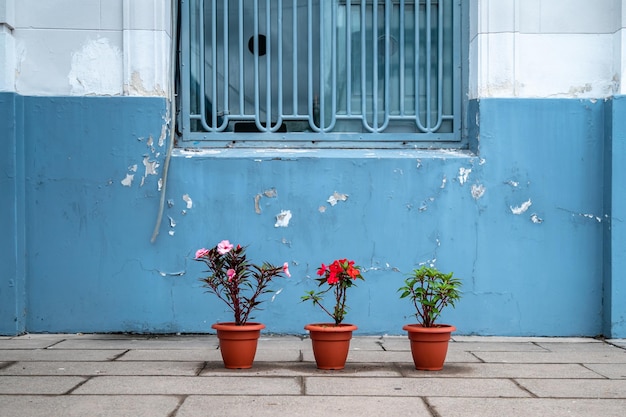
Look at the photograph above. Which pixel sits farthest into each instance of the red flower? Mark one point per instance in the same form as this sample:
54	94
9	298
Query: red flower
322	270
332	278
353	272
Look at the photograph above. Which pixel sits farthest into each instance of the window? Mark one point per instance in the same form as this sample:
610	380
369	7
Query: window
310	73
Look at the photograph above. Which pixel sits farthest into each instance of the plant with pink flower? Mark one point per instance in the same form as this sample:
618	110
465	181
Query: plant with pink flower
340	275
236	281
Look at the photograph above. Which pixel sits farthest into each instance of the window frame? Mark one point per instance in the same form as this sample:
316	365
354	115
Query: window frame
457	139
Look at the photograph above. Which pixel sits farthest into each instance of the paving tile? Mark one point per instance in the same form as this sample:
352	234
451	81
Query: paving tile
525	407
502	370
282	342
277	355
28	343
369	356
523	339
552	357
609	370
496	347
302	369
414	387
592	347
618	342
176	385
403	344
139	343
58	355
197	406
185	355
81	406
575	388
38	384
103	368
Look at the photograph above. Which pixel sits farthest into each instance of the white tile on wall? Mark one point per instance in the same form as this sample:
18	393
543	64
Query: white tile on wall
7	13
146	15
571	16
497	16
567	65
111	15
496	65
146	63
57	14
7	61
44	60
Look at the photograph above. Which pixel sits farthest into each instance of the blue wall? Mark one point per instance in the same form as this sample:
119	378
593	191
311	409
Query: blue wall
526	229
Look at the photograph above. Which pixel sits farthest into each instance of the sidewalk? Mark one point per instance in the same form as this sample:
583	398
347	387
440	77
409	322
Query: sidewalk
182	376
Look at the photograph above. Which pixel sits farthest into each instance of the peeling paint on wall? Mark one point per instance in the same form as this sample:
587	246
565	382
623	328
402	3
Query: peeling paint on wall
522	208
333	199
271	193
536	219
128	181
136	87
96	69
478	190
283	218
188	200
464	174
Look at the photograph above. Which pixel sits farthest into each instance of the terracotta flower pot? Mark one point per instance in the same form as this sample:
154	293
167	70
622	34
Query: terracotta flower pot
238	343
429	345
331	344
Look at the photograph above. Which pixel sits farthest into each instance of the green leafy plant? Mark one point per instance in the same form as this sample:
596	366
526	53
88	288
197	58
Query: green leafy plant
236	281
430	291
339	275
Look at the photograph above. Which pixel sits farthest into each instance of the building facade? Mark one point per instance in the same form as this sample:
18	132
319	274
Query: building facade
104	205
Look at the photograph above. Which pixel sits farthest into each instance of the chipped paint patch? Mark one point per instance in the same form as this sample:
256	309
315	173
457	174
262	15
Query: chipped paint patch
512	183
591	216
188	200
464	174
443	182
536	219
522	208
322	209
151	166
283	218
478	190
128	181
257	206
271	193
333	199
95	69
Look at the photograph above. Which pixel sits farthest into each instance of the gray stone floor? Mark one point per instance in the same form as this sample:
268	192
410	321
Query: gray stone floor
182	376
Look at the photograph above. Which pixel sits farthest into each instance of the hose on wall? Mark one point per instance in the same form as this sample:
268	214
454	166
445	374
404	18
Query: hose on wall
172	111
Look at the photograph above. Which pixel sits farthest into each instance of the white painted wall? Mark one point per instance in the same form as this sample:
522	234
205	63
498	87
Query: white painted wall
518	48
88	47
546	48
7	45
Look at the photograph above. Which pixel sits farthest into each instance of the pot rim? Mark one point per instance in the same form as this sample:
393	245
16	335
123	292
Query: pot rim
419	328
231	326
330	327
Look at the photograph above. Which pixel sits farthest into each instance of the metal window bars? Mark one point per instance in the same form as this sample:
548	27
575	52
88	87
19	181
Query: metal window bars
340	69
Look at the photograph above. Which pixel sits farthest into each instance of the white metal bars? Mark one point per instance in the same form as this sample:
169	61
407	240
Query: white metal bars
326	66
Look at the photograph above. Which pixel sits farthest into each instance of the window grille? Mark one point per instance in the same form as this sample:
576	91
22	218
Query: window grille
320	71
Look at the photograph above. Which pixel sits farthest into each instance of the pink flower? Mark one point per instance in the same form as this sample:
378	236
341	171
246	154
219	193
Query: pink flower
286	269
201	253
231	274
224	247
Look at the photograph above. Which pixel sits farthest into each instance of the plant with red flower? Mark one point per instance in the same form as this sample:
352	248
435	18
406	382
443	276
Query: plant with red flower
340	275
234	280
